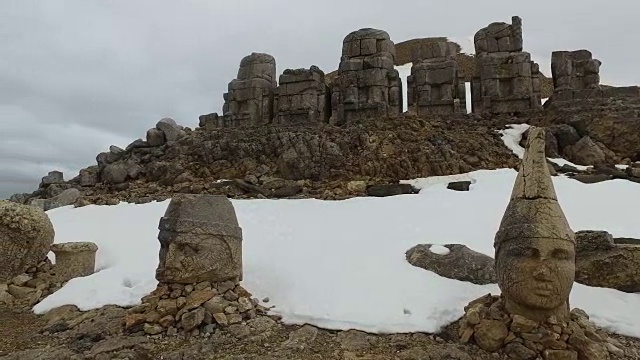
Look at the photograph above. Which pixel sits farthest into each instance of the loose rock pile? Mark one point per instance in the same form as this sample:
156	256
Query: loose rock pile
492	328
192	309
26	290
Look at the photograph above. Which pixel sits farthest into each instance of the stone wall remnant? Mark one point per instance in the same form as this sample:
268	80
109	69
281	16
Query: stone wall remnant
576	75
73	260
249	101
26	233
200	240
435	85
302	97
507	81
367	84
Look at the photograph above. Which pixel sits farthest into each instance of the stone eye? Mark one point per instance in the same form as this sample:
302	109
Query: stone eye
560	254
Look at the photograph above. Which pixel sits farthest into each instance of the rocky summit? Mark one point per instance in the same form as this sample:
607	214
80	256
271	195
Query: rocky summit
334	136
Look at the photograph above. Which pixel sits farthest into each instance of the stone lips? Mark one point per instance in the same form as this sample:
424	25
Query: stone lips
200	241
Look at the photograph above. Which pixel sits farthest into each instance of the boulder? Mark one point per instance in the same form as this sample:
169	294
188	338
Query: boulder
171	130
155	137
114	173
454	261
600	262
65	198
26	233
54	177
89	176
586	152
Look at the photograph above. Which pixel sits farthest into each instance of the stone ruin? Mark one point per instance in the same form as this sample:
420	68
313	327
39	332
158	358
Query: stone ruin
302	97
576	76
26	274
367	84
535	252
436	84
251	95
507	81
199	272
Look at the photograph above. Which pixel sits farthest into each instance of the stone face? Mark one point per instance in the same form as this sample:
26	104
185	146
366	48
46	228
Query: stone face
535	247
200	240
250	100
302	97
74	260
461	263
26	233
367	85
507	81
435	85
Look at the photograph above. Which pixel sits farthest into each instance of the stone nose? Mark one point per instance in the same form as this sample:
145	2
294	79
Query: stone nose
542	272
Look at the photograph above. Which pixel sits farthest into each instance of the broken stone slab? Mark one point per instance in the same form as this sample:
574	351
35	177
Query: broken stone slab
76	259
459	263
383	190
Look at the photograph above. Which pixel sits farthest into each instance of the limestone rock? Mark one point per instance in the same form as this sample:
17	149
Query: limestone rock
459	185
460	263
490	334
586	152
25	236
602	263
114	173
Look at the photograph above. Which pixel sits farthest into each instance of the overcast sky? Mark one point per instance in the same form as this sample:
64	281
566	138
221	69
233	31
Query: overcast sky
78	76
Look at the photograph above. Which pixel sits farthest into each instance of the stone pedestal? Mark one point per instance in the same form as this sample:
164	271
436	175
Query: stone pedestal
74	260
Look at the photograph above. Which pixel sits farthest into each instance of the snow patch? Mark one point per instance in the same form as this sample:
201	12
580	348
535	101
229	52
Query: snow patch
341	264
439	249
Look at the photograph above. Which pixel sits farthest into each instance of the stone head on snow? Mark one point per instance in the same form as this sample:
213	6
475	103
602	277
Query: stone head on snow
200	240
534	246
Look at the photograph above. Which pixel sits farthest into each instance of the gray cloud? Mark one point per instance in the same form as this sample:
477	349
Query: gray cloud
78	76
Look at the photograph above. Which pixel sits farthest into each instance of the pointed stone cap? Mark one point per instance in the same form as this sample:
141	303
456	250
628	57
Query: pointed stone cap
534	211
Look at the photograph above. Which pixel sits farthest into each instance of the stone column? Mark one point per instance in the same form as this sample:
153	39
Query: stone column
76	259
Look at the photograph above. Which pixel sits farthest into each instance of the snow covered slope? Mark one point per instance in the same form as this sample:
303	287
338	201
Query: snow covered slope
341	264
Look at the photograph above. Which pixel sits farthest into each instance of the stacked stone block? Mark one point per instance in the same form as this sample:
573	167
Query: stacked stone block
367	84
302	97
434	86
504	82
250	97
576	75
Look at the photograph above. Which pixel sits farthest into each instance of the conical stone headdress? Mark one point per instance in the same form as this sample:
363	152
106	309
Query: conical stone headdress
534	211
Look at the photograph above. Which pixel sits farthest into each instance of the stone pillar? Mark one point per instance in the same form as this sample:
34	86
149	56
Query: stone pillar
367	85
504	82
576	75
249	101
73	260
435	86
302	97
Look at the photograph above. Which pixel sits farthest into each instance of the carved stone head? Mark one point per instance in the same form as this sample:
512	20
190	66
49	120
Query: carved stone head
535	247
200	240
